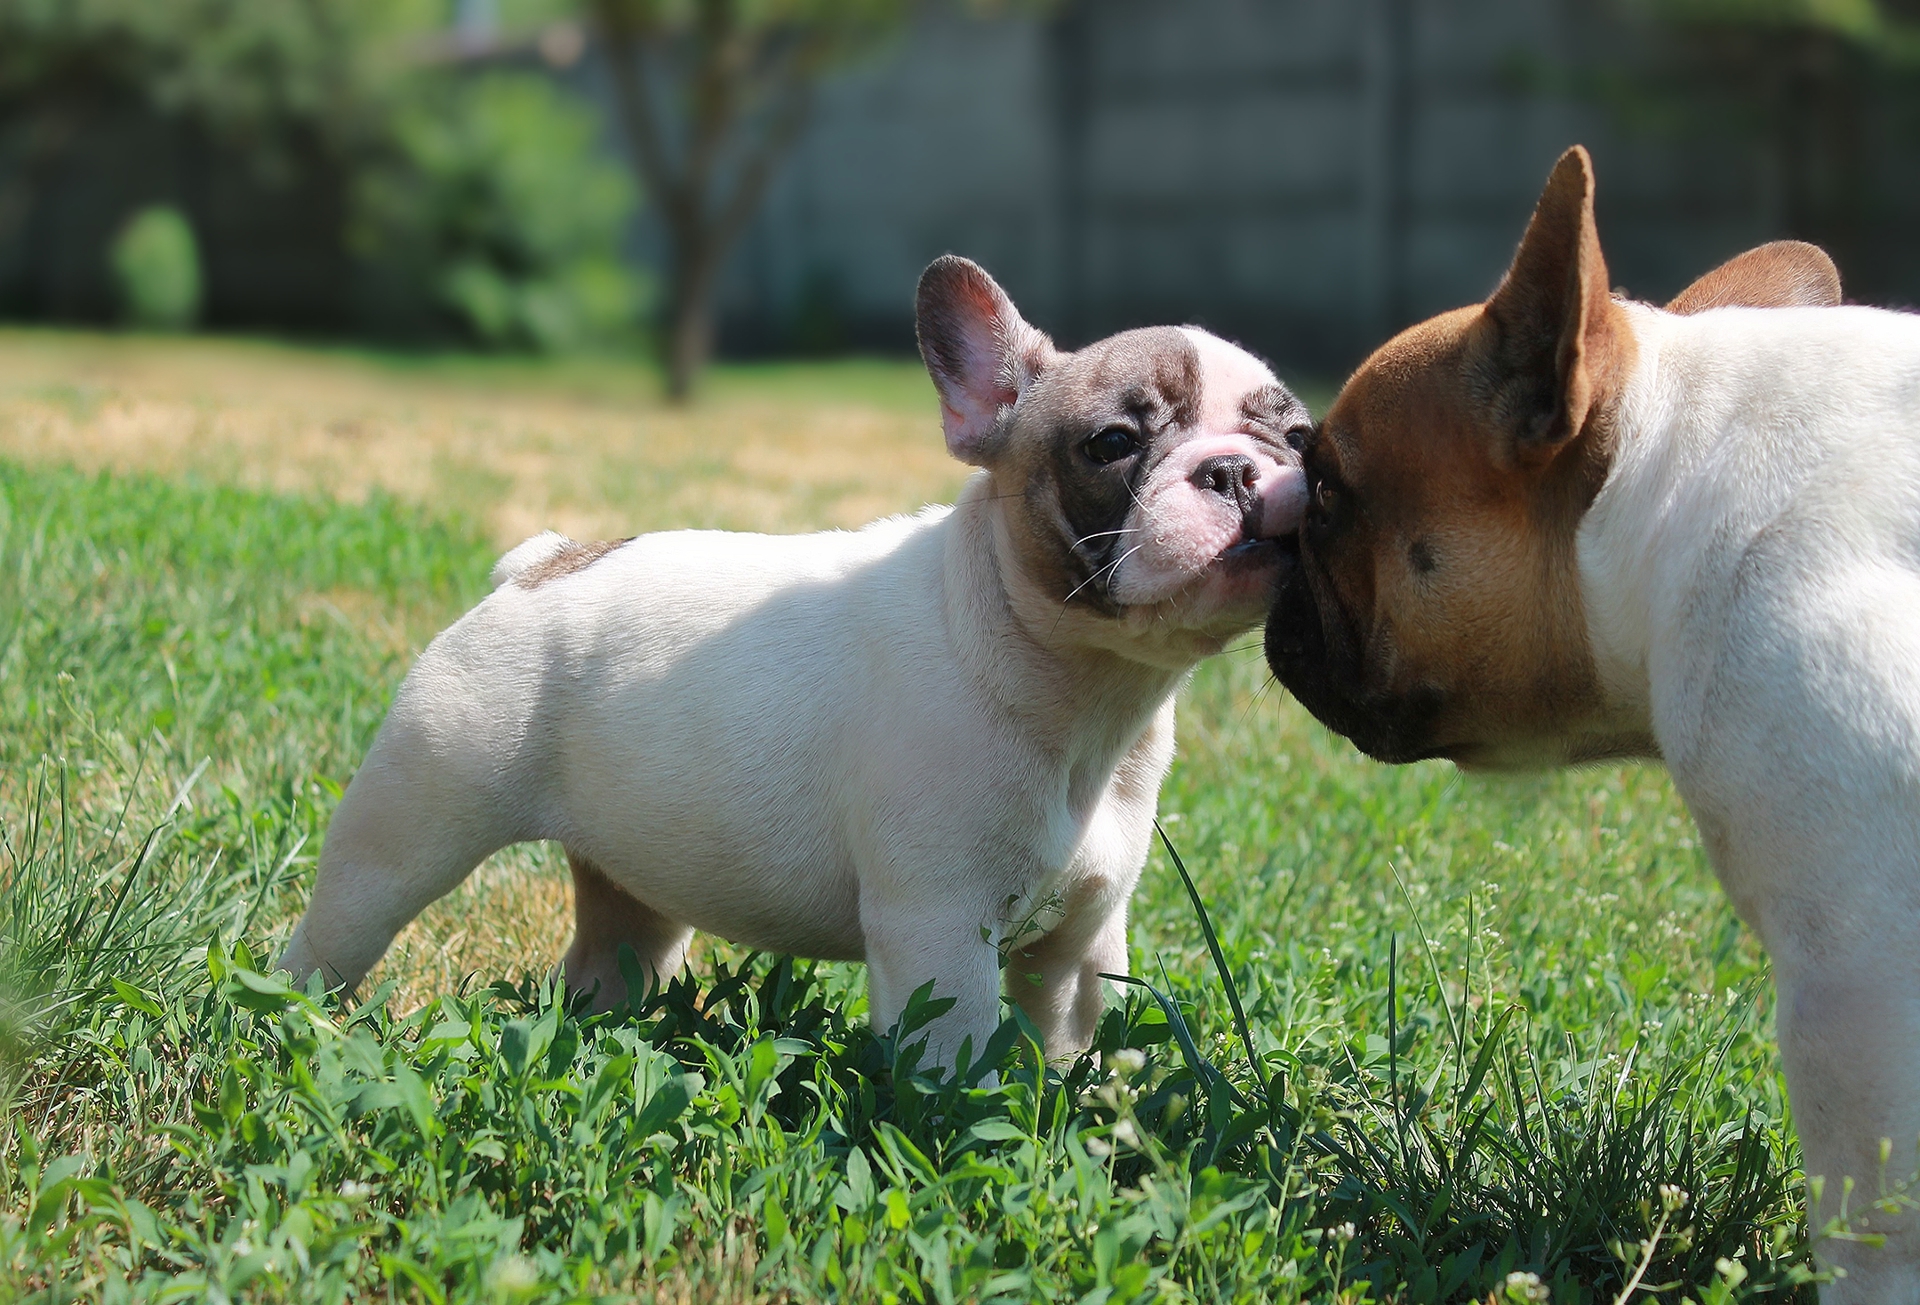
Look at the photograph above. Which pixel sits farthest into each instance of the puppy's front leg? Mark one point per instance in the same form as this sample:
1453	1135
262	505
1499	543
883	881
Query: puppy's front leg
906	947
1056	979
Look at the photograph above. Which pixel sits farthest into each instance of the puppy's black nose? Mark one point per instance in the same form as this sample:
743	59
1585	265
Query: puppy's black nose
1232	476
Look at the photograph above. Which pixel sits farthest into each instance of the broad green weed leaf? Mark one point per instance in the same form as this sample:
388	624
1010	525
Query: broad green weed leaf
138	1000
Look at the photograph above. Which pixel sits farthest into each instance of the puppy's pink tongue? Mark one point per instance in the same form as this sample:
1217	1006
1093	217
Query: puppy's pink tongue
1283	502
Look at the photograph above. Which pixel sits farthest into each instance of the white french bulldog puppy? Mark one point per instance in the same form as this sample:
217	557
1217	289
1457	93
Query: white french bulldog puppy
893	745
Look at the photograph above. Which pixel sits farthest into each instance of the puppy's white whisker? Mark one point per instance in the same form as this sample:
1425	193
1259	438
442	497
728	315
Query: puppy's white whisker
1105	570
1114	570
1075	592
1104	534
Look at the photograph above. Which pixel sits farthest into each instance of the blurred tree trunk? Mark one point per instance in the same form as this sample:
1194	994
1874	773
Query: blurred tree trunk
712	96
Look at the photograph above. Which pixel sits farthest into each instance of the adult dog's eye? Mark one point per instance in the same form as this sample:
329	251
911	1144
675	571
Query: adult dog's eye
1111	445
1326	497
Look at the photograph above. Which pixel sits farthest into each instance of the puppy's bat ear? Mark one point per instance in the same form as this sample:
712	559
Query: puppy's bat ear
981	353
1556	334
1783	274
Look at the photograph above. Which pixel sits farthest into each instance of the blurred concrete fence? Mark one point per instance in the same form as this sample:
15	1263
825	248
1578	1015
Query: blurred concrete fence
1307	175
1304	175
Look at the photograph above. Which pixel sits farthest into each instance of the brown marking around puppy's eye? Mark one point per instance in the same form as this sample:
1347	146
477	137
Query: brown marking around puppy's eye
576	556
1274	410
1148	382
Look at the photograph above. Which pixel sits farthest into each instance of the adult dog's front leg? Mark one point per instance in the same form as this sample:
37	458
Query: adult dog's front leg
1850	1040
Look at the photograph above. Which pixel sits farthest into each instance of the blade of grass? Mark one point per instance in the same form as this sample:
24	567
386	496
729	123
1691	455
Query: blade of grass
1219	959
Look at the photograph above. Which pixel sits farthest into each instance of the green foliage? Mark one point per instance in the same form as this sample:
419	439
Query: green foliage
502	194
1852	17
1866	23
1491	1034
157	265
258	74
482	195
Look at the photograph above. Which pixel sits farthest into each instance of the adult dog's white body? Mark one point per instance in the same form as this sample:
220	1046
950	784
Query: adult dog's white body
917	744
1559	527
1751	571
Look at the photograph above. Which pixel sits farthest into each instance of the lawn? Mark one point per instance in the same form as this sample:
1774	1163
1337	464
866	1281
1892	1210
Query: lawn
1491	1029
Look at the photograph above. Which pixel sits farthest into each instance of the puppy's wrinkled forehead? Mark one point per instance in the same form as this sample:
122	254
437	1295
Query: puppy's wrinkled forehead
1166	376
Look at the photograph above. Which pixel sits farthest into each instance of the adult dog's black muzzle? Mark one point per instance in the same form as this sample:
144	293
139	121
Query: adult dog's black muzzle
1325	679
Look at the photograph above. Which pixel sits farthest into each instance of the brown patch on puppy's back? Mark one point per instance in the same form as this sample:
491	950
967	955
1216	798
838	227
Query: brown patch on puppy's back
574	555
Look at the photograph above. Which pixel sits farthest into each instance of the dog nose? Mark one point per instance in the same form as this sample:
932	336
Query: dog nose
1233	477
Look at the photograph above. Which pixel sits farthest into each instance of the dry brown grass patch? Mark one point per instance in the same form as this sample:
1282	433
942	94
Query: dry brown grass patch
520	448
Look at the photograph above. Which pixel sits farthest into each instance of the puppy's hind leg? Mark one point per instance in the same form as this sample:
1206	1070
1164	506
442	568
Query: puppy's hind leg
606	915
413	824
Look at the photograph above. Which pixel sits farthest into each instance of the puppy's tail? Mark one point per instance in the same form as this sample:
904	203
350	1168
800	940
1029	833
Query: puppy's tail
542	548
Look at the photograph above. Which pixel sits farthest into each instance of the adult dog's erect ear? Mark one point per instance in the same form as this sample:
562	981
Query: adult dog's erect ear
981	353
1782	274
1555	337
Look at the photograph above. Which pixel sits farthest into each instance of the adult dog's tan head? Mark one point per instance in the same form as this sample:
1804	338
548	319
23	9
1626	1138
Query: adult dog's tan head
1437	611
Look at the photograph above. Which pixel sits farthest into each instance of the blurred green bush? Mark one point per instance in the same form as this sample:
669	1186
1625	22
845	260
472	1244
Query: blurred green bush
403	177
497	199
157	267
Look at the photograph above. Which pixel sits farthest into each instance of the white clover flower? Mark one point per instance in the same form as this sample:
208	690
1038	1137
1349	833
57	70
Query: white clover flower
1526	1289
511	1277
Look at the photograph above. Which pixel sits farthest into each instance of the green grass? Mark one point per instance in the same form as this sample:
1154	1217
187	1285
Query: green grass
1485	1023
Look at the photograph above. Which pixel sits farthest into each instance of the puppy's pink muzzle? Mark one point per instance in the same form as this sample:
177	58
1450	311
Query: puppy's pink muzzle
1224	464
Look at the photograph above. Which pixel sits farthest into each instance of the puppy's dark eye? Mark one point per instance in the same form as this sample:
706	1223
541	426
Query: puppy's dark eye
1111	445
1298	438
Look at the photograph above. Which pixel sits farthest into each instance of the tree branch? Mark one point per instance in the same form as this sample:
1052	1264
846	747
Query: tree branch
756	172
627	64
712	104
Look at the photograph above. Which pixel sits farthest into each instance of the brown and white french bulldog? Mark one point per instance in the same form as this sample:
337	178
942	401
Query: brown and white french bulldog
1561	526
893	745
